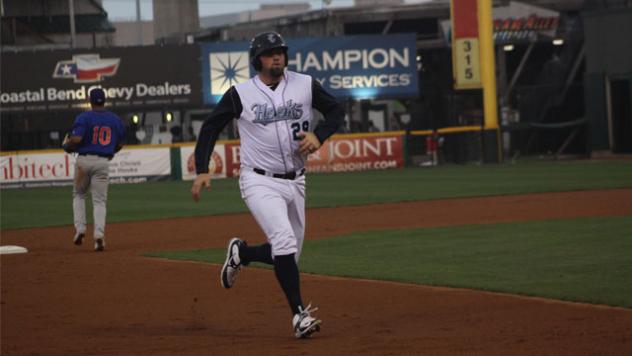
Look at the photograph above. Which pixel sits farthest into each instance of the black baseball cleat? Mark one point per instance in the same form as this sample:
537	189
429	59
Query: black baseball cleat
99	245
304	323
78	239
232	265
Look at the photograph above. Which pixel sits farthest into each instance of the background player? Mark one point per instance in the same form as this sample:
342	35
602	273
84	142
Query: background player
274	112
96	136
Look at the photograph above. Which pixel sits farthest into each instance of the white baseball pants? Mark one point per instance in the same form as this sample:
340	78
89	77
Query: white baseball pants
91	172
278	205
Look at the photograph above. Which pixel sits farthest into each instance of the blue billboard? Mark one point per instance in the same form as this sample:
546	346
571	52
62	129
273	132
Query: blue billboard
357	67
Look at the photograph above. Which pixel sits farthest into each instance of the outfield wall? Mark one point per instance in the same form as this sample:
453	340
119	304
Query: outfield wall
26	169
137	164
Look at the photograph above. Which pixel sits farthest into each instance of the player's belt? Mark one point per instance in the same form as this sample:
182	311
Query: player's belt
289	175
97	154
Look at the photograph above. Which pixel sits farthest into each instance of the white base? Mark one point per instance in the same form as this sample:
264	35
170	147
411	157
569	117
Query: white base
5	250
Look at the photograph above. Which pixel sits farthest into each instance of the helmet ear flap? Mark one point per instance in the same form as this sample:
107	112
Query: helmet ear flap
256	63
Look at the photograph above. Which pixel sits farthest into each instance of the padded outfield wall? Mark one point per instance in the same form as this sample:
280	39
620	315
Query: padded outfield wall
138	164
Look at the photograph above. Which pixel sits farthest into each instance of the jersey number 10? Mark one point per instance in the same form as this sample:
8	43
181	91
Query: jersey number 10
101	135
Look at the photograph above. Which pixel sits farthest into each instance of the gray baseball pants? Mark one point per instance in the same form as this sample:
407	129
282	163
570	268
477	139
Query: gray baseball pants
91	173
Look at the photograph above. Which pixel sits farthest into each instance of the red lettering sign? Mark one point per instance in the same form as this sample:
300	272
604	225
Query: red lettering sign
358	153
18	168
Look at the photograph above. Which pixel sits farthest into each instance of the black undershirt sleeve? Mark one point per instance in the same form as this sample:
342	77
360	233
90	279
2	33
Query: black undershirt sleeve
330	108
229	107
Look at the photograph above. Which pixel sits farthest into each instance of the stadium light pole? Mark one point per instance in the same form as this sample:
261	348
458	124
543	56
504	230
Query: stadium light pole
139	23
71	11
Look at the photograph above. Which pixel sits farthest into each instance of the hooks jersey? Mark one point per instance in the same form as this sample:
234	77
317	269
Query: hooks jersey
269	121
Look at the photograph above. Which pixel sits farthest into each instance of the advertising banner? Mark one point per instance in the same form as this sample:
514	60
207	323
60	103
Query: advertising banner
359	153
233	161
148	76
360	67
224	161
216	166
518	23
145	163
58	168
339	154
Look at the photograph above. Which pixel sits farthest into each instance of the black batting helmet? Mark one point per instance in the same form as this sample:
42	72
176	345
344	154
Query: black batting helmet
263	42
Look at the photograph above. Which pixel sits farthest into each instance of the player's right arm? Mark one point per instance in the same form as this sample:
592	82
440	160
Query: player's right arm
229	107
202	180
72	141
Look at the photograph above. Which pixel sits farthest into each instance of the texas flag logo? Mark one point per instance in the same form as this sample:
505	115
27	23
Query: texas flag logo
86	68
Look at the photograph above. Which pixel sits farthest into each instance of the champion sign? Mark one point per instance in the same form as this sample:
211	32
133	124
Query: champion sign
86	68
228	69
360	67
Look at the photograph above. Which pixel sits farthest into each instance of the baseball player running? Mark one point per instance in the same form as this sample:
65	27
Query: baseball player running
96	136
274	118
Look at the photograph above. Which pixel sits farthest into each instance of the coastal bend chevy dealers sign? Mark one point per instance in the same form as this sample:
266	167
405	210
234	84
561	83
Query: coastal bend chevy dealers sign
131	76
360	67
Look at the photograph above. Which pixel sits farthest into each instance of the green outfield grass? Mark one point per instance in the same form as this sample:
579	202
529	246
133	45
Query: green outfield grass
586	260
23	208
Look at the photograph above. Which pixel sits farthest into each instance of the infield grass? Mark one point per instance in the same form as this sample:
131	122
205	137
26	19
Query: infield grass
36	207
585	260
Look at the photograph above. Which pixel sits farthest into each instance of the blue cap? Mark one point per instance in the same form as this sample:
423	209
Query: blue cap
97	96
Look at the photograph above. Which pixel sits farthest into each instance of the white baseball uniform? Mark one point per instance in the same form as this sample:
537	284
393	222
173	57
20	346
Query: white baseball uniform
268	129
272	180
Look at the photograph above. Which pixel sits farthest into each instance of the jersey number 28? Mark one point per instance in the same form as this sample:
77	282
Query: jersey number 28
296	128
101	135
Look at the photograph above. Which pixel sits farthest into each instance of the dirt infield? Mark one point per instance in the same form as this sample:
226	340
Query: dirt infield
60	299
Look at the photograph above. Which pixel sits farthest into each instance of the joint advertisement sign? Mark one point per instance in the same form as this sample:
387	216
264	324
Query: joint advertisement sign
341	153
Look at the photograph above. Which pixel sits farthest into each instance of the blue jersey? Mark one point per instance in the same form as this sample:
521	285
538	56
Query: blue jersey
101	132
